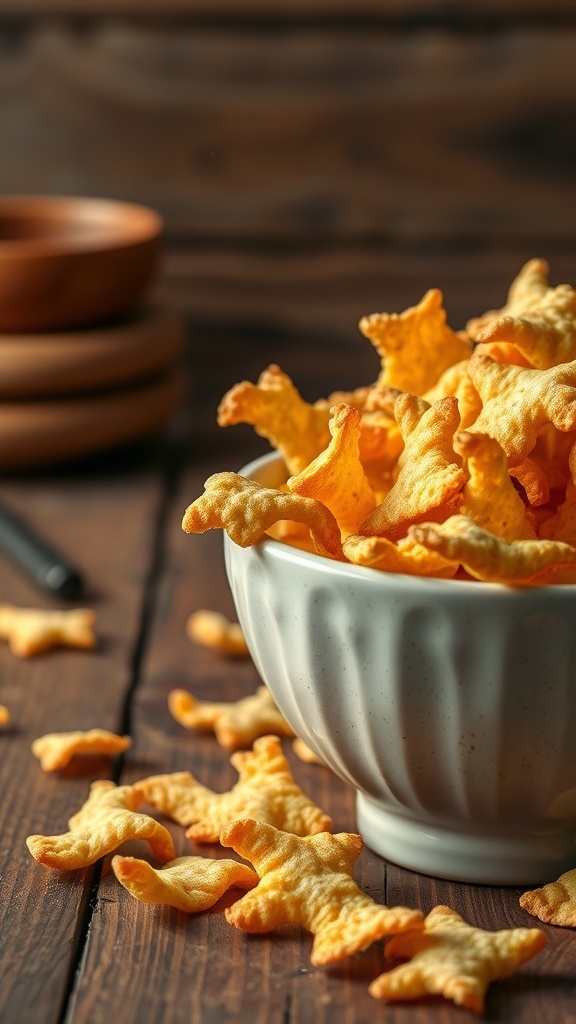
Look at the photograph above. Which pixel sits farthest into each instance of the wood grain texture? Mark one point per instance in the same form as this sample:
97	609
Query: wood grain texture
300	135
105	526
282	9
324	291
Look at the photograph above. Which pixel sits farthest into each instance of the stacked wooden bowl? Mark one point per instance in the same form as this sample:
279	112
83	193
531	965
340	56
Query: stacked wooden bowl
86	362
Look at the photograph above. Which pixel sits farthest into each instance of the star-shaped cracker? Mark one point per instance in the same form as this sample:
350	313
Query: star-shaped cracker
336	477
212	629
234	723
55	750
526	291
308	881
190	884
489	496
278	412
265	790
554	903
246	509
538	320
451	958
405	556
305	753
107	819
415	346
518	402
489	558
455	382
31	631
430	473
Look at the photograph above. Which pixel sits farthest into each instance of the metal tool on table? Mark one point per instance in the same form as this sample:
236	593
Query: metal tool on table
46	567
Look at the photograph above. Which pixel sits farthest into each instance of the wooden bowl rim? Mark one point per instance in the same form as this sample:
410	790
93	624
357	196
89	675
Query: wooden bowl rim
120	224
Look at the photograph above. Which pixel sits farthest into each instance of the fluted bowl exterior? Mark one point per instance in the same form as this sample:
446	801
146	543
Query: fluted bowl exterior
449	705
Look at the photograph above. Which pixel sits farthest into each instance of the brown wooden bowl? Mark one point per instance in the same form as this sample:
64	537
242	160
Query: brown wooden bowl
70	362
72	262
43	432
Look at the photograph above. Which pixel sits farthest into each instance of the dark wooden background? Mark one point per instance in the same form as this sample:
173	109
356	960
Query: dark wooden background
315	160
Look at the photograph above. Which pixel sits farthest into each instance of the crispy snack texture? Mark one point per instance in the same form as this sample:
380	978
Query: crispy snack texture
265	790
31	631
212	629
453	959
538	321
278	412
55	750
518	402
489	497
308	881
489	558
246	510
234	723
478	423
305	753
416	346
190	884
554	903
336	477
406	556
430	473
108	818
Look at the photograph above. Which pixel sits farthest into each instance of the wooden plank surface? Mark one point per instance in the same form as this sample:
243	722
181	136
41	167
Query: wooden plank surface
323	292
105	524
299	135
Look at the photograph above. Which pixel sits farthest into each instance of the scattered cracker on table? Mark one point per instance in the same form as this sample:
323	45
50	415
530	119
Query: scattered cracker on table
191	884
308	881
31	631
454	959
234	723
265	790
55	750
107	819
4	714
305	753
554	903
212	629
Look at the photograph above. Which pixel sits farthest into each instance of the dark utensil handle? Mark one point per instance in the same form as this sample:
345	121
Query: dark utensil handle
45	566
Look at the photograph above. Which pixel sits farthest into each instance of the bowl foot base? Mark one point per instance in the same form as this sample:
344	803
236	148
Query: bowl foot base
463	856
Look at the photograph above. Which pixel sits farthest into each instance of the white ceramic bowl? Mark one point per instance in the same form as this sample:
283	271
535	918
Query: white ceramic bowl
449	705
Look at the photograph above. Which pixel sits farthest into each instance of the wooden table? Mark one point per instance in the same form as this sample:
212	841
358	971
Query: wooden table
75	946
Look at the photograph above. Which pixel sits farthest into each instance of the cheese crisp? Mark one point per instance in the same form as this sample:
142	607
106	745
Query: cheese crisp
474	426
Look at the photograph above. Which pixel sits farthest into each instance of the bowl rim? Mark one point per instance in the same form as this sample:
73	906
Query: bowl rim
123	224
379	577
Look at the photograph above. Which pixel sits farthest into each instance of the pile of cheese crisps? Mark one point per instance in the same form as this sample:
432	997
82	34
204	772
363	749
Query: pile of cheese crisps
458	461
